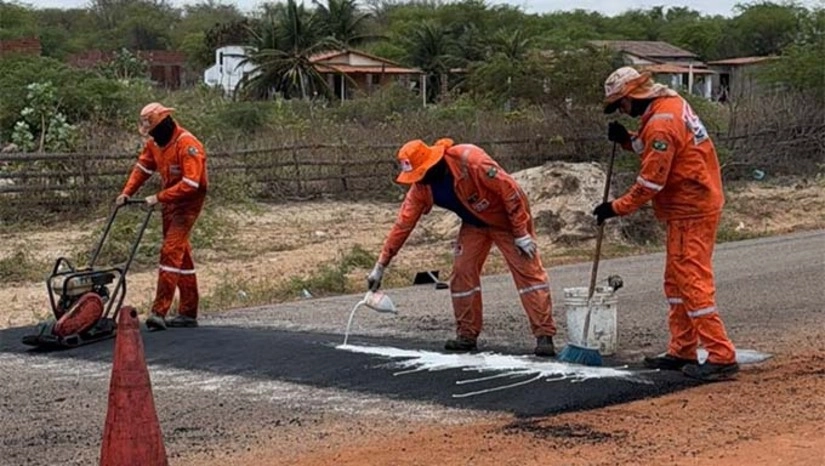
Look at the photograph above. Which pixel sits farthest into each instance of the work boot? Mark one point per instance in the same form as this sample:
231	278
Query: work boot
461	344
710	372
544	346
183	321
668	362
155	322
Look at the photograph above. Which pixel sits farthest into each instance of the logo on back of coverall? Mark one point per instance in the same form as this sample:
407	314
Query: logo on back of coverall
659	145
481	205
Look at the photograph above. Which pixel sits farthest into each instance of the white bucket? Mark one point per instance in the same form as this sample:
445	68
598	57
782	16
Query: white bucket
602	333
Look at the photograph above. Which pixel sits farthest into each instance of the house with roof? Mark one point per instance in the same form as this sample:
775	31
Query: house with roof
669	64
735	78
365	73
21	46
166	68
348	72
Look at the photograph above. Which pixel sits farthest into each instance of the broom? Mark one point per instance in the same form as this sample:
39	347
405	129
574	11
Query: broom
582	354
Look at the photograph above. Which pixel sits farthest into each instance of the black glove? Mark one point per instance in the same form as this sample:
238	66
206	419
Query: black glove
616	132
603	212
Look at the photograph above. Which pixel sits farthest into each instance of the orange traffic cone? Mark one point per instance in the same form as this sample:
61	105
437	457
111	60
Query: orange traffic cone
132	434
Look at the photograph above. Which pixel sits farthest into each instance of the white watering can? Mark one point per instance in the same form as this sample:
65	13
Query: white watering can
375	300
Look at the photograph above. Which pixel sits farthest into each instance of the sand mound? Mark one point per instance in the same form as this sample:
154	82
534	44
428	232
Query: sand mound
562	196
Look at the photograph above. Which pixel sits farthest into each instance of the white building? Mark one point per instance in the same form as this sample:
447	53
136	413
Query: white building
227	72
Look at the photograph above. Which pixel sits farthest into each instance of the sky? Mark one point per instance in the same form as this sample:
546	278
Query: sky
608	7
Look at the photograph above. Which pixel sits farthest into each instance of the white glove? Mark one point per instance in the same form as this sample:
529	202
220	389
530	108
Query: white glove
527	245
121	199
152	200
374	278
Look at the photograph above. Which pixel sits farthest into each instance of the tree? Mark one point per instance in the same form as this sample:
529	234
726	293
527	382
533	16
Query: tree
124	66
16	21
135	24
801	65
282	47
343	21
513	45
195	32
431	48
765	28
42	125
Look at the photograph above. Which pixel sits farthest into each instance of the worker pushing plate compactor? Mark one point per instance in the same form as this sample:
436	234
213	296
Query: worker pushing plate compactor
82	310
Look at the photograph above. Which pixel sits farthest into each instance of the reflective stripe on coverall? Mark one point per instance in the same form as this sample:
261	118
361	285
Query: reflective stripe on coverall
182	168
680	173
493	196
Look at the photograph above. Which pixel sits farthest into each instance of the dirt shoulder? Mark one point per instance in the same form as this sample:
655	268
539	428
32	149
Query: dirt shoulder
772	414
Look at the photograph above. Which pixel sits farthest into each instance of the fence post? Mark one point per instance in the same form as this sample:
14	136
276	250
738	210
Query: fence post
341	159
297	170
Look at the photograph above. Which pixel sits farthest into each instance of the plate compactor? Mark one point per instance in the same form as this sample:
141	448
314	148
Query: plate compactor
84	302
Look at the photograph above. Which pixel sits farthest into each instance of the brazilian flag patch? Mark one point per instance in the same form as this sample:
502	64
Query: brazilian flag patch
492	172
660	146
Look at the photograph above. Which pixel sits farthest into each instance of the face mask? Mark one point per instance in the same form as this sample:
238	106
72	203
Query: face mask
436	172
638	107
162	133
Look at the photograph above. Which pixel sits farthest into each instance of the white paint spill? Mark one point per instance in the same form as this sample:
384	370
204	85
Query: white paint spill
505	366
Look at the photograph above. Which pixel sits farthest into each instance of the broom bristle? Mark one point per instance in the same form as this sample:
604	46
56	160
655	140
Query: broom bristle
576	354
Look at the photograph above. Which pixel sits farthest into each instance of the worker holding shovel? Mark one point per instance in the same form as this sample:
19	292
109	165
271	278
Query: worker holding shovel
680	173
493	208
180	159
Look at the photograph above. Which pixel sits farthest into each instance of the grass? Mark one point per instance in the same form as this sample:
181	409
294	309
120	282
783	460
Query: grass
22	266
728	233
335	277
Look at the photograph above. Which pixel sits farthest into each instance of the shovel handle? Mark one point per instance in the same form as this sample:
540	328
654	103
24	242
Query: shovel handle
600	235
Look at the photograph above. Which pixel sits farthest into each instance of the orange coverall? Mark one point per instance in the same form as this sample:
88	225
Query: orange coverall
495	198
680	172
182	168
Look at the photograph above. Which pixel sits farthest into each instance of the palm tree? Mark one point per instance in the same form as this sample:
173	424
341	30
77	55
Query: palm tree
508	72
283	44
431	48
343	21
513	45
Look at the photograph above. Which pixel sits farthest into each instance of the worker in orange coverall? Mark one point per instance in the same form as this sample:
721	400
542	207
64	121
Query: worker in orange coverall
180	159
494	210
680	173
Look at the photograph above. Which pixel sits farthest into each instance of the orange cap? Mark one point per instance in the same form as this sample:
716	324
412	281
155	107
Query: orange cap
415	158
151	115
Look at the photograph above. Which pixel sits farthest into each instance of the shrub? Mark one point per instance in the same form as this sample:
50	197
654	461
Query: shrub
80	95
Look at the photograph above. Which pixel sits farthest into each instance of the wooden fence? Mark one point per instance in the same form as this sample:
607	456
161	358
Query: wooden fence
31	183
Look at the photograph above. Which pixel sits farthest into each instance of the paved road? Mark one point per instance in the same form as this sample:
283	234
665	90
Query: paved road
284	365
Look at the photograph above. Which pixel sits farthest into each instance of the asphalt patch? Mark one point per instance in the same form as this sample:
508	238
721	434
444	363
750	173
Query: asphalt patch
312	359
